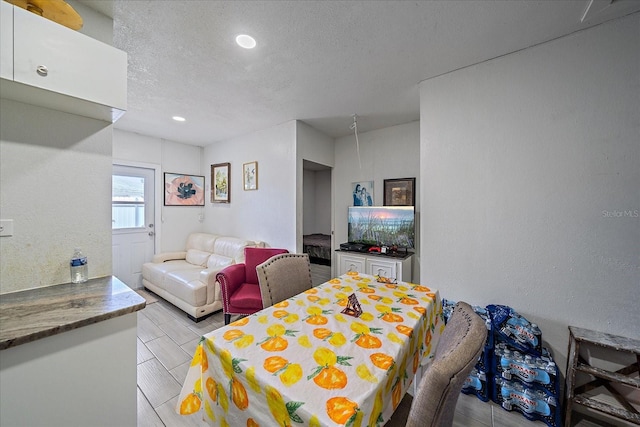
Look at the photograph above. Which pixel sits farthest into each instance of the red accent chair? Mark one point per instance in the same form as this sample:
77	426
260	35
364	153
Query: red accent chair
239	283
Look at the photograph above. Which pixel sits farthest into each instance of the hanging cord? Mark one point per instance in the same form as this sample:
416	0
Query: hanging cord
354	126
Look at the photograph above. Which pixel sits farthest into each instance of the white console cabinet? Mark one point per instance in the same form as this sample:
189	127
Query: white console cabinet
383	265
52	66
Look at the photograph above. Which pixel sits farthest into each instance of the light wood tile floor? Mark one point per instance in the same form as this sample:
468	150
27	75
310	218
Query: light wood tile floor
167	340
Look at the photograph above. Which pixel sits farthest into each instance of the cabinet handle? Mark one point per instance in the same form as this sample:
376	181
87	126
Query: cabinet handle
42	70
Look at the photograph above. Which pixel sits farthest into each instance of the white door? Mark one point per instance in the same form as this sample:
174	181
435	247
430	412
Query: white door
132	208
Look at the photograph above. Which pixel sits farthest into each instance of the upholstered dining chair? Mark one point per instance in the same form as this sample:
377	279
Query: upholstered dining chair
283	276
239	283
456	354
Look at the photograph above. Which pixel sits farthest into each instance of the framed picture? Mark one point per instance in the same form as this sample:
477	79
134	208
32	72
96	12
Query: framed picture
362	193
183	190
221	183
399	192
250	176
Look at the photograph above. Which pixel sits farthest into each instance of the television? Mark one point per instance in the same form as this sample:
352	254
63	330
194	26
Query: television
382	225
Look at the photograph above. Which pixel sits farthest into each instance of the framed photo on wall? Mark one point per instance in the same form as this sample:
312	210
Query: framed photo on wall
183	190
221	183
362	193
250	176
399	192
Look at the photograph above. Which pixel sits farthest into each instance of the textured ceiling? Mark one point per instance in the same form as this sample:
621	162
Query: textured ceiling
316	61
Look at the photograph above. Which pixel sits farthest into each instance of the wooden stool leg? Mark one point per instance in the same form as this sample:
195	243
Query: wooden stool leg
572	362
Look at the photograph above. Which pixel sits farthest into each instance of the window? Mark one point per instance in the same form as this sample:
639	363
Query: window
127	202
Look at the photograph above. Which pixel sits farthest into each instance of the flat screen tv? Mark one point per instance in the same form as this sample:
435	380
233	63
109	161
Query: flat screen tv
385	225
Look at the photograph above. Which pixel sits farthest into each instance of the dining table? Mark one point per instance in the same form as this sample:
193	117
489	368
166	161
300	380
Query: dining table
342	353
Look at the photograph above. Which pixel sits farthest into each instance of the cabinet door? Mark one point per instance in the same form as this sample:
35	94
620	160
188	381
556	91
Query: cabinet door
6	40
382	267
76	65
348	263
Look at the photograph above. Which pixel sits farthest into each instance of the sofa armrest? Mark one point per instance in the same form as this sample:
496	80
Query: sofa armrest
230	279
208	275
169	256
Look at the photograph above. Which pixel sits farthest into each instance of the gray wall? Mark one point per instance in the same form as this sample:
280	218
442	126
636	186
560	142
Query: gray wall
176	222
317	201
392	152
55	183
267	214
530	181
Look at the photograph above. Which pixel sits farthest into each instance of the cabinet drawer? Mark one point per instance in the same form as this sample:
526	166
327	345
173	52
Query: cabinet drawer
76	65
351	263
380	267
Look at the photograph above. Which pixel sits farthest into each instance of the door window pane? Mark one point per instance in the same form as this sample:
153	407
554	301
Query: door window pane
127	201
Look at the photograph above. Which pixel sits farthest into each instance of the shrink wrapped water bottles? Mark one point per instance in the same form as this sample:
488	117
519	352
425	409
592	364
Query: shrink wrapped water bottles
79	267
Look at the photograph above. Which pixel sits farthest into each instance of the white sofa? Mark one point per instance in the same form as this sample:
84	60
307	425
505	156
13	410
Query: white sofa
187	279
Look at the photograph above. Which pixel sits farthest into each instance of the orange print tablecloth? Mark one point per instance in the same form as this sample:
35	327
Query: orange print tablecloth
302	362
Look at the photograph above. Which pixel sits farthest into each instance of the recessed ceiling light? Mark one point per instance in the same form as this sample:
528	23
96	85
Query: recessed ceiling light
246	41
179	119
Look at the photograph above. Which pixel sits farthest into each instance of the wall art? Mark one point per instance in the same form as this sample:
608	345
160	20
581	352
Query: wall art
221	183
183	190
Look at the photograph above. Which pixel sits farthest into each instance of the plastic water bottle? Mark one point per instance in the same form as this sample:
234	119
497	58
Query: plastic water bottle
79	267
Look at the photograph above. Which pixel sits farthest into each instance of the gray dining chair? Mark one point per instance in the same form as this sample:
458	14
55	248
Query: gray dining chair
457	353
283	276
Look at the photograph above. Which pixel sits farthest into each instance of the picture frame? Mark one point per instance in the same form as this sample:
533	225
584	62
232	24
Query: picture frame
400	192
362	192
250	176
221	183
183	190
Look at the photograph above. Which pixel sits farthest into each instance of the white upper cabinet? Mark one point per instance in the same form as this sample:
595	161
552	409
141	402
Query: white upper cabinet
6	40
59	68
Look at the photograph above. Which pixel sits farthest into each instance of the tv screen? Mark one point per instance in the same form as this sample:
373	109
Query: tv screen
385	225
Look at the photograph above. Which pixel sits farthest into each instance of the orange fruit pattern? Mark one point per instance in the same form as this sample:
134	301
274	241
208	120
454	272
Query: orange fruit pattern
190	404
382	361
341	409
305	353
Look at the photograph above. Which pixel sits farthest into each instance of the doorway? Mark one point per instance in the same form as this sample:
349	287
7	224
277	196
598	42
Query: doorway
133	221
317	229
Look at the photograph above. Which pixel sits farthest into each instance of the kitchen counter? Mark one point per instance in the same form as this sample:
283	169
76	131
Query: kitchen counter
33	314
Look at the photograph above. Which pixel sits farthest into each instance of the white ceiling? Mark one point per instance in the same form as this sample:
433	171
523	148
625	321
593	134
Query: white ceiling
316	61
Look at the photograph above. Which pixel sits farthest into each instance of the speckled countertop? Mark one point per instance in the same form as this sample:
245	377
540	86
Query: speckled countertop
33	314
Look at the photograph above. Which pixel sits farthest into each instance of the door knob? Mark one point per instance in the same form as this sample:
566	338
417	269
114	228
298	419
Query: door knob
151	233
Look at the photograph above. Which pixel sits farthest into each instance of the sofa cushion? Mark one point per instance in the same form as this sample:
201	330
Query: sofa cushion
255	256
186	285
155	272
232	247
197	257
247	296
216	261
201	241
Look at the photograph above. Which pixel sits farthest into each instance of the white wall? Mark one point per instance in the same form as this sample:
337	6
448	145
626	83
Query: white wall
388	153
522	159
269	213
177	222
55	183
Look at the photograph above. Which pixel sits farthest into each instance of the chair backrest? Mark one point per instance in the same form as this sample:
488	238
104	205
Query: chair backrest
283	276
457	353
255	256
